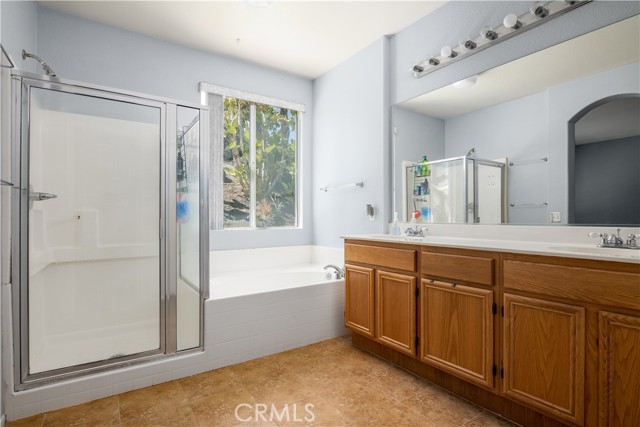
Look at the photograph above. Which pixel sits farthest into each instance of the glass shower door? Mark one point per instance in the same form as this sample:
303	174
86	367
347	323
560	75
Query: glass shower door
94	171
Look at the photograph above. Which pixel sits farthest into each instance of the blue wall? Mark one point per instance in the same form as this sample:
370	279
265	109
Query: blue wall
351	144
87	51
18	32
416	135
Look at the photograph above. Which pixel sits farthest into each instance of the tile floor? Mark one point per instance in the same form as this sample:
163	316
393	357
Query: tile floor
330	383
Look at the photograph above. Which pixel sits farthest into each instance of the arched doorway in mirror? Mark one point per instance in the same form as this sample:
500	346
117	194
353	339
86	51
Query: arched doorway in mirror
604	162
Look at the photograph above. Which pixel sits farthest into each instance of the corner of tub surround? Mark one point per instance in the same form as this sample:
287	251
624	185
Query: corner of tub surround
327	255
258	258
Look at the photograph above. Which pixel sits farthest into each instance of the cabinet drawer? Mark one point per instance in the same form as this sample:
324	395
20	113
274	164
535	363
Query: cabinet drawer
401	259
458	267
602	287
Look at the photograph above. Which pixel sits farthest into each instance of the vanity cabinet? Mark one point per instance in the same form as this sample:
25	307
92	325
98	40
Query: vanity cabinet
457	313
542	340
396	311
380	289
582	352
619	350
359	299
544	355
457	330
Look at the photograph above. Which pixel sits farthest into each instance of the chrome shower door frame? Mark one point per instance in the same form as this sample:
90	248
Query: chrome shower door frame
22	83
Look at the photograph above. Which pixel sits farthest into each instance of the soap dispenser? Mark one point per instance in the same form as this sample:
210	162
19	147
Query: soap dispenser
395	227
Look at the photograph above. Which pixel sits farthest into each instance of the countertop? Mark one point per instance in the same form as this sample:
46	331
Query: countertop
569	250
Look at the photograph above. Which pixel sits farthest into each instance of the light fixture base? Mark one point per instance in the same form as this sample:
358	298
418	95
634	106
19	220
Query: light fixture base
524	22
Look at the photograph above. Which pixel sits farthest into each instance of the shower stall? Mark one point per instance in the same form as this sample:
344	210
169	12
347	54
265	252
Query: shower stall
456	190
109	228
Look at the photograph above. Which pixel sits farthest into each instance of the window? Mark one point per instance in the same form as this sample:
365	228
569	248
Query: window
259	165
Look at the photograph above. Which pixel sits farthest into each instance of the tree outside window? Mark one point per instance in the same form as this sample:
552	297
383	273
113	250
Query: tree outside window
259	178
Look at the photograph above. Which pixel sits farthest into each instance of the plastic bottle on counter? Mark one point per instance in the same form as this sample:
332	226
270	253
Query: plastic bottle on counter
395	227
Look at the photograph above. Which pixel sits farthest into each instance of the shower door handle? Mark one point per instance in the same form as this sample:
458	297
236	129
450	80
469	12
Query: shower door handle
36	197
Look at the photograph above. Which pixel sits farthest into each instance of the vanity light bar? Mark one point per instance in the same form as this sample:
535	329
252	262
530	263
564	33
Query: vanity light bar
512	25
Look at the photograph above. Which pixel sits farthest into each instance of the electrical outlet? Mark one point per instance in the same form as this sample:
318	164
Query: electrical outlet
554	217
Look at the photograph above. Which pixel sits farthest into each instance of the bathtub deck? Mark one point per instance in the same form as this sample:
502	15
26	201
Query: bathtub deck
230	285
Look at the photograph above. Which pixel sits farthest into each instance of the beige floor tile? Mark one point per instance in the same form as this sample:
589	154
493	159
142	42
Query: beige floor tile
210	384
489	419
280	390
361	404
158	406
103	412
233	406
314	411
346	386
441	407
35	421
257	370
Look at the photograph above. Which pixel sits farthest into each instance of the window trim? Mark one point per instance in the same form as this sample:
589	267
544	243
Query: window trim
251	97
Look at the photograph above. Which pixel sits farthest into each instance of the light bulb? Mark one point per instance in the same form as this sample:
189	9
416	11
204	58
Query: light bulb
539	10
447	52
488	33
468	44
511	21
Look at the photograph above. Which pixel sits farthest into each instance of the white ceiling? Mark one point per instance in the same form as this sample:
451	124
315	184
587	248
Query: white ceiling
607	48
307	38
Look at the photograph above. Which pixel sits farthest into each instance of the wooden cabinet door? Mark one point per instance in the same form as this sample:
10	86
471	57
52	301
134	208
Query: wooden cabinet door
619	370
396	311
544	356
359	299
457	330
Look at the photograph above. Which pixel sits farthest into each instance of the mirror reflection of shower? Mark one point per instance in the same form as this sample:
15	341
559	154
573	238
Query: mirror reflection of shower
47	69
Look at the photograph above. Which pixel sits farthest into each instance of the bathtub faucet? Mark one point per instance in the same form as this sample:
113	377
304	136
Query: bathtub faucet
339	273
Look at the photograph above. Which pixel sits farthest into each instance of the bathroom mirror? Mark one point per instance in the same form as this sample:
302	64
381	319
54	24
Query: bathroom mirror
533	114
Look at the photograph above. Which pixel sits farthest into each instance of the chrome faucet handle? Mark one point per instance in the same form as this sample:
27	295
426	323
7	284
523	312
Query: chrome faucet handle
631	240
602	236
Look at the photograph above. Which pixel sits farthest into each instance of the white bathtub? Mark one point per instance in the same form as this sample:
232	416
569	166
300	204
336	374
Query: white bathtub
264	301
235	284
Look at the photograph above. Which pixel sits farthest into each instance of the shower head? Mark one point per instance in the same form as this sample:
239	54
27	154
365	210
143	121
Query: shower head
44	65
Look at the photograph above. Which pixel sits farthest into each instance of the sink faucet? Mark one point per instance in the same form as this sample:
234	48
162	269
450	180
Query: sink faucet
615	240
339	272
416	232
